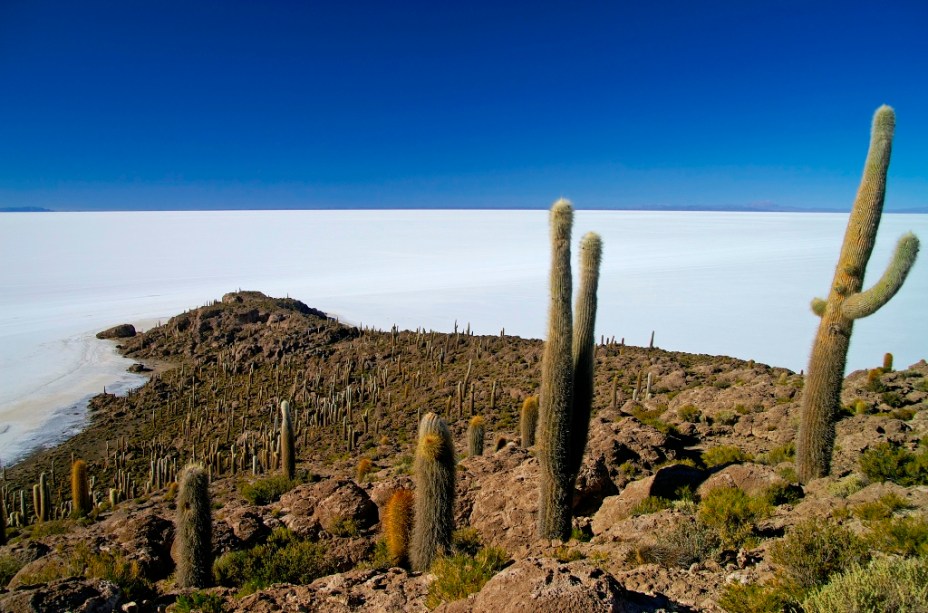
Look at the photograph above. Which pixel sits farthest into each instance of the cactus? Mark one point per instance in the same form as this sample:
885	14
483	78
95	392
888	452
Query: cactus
363	468
193	541
566	375
397	524
434	470
846	302
888	362
475	436
2	521
287	456
80	489
584	348
44	499
528	421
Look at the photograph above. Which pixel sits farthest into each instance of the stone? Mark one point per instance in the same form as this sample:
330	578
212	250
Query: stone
120	331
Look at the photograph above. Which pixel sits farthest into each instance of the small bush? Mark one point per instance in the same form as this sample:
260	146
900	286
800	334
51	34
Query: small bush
460	575
726	418
731	513
284	558
905	536
651	504
886	584
782	493
874	384
724	454
267	490
466	541
688	542
778	455
49	528
893	399
689	413
814	550
880	509
887	462
9	566
565	554
903	414
199	602
752	598
847	486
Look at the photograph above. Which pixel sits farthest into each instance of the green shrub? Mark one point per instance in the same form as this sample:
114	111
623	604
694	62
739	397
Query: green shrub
284	558
344	527
778	455
199	602
904	414
651	504
887	462
466	541
814	550
752	598
724	454
267	490
886	584
782	493
689	413
687	542
726	418
905	536
847	486
9	566
879	509
460	575
731	513
893	399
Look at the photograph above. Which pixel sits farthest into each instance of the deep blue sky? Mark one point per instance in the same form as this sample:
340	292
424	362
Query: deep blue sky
250	104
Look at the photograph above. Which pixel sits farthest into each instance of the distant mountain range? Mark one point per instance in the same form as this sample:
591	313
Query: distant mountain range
24	209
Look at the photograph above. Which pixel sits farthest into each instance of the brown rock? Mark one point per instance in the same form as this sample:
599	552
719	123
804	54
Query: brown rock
328	504
592	486
120	331
754	479
247	525
664	483
75	595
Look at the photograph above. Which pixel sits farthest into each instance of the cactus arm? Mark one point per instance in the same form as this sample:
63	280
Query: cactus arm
818	306
870	301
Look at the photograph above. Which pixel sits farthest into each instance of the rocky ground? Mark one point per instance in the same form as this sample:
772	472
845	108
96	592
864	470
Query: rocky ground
668	429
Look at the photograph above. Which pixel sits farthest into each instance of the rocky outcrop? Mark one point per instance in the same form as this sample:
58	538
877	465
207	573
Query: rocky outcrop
334	505
664	484
75	595
120	331
755	479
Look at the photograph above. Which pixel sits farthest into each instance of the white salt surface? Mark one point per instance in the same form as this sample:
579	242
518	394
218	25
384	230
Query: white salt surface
720	283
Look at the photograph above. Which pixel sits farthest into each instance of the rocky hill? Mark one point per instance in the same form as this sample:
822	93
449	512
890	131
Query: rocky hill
687	499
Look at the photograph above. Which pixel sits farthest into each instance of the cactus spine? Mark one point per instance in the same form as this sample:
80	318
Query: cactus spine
434	471
80	489
475	436
528	421
194	527
397	524
287	457
846	302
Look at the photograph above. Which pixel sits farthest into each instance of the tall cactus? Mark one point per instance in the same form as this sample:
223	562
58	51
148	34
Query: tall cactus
287	455
434	474
193	547
397	524
556	398
80	489
475	432
584	347
528	421
846	302
2	521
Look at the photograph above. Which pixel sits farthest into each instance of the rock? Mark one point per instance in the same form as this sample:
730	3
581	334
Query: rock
754	479
328	504
592	486
74	595
138	368
616	441
120	331
544	585
664	483
247	526
358	590
381	491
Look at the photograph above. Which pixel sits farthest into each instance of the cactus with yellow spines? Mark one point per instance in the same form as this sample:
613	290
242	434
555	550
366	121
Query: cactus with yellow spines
475	431
563	419
846	302
434	476
80	489
528	421
397	525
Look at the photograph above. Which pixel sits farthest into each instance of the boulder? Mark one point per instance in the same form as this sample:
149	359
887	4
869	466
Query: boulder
664	484
120	331
327	504
75	595
754	479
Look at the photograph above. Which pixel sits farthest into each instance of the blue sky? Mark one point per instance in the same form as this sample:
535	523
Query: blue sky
480	104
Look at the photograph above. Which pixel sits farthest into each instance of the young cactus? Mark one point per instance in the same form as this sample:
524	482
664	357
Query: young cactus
80	489
475	436
193	547
528	421
434	475
567	363
847	302
397	524
287	455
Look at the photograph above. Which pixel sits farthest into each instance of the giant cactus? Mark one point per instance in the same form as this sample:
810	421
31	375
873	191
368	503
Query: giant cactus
434	474
846	302
80	489
193	548
564	412
287	454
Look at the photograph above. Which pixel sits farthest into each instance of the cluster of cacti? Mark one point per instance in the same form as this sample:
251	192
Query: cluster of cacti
434	475
528	421
566	376
846	302
81	503
193	546
397	525
475	436
287	454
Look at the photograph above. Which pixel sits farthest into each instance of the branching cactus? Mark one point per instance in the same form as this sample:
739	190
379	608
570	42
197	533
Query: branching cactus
847	302
193	548
80	489
475	431
397	524
287	455
434	474
528	421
